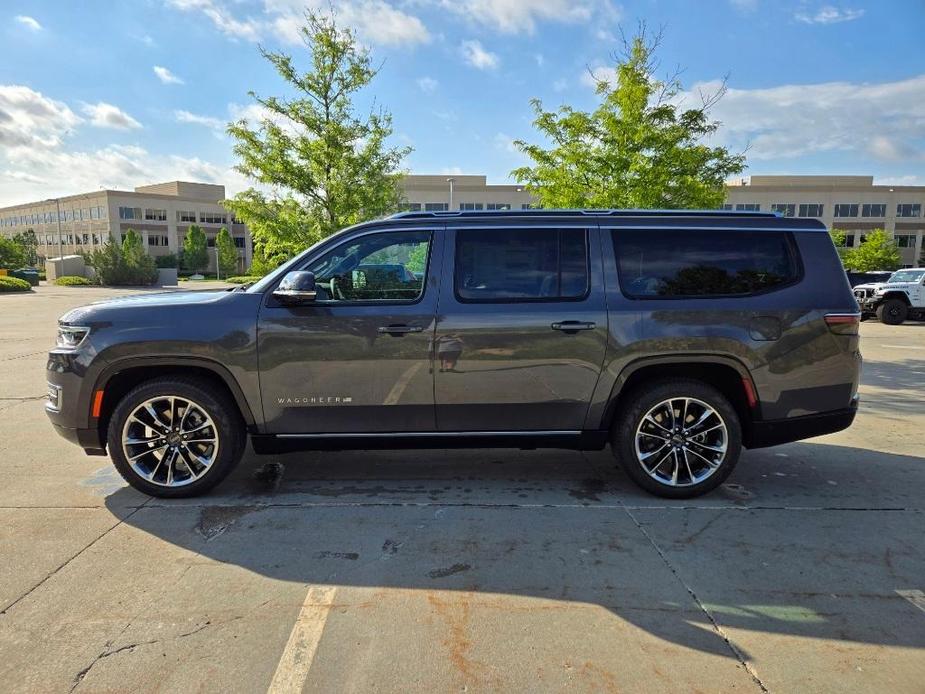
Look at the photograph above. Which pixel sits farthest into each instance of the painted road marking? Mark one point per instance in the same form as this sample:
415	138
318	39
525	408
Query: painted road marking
916	597
902	346
296	661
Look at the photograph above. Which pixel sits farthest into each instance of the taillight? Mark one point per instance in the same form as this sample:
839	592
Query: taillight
843	323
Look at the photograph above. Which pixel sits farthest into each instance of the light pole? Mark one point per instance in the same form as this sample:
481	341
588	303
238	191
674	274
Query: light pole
57	202
451	181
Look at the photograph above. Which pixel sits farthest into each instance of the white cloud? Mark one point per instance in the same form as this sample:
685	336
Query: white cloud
166	76
30	119
105	115
220	16
376	21
560	85
505	142
884	121
828	14
516	16
908	180
37	161
29	22
428	84
594	74
474	54
196	119
452	171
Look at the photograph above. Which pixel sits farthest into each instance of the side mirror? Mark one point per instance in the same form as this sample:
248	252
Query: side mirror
296	289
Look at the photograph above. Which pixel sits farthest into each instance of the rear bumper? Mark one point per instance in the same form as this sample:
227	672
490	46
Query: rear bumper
772	432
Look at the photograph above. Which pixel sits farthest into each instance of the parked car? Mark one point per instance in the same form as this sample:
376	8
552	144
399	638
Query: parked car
900	297
678	337
865	278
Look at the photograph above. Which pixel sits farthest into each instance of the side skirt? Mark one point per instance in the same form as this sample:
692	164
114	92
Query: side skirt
525	440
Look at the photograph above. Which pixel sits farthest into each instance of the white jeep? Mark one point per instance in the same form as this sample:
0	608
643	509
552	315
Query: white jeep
902	296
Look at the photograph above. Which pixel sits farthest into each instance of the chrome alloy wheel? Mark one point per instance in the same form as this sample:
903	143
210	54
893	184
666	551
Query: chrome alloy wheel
681	442
170	441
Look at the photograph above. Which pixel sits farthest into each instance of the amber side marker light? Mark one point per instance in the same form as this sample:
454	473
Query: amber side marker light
97	404
750	395
843	323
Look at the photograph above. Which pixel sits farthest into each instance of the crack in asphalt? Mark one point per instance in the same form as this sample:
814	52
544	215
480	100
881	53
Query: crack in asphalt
736	651
29	592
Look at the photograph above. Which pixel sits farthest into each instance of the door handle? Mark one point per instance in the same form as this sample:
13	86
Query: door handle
569	326
400	329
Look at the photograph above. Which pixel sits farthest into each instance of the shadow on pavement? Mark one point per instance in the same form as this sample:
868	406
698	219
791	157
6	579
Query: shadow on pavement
566	528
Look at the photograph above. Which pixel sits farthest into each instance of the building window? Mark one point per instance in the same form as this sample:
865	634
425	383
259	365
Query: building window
238	241
156	215
905	240
846	210
909	210
213	218
186	216
530	206
157	240
409	207
470	206
785	209
726	206
873	210
748	207
436	207
497	206
129	213
810	209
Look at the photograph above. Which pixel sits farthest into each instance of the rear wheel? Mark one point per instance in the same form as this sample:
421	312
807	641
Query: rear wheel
892	312
677	439
175	437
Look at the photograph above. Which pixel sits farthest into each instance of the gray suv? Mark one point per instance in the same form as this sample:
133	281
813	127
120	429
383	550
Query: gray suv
679	337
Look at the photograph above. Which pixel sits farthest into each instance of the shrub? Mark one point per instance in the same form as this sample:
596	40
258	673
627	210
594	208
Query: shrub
240	279
72	281
167	261
12	254
13	284
120	266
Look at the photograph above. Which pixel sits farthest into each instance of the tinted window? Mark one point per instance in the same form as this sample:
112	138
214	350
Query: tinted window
375	267
521	264
665	263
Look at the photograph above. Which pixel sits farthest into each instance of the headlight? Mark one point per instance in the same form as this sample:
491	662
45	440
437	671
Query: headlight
71	336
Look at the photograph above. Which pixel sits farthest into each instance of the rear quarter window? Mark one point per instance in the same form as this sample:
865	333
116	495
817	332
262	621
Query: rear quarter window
662	264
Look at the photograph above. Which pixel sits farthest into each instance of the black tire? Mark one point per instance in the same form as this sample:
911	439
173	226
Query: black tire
892	312
638	403
228	428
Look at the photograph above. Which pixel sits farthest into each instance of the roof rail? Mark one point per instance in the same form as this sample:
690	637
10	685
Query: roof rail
586	212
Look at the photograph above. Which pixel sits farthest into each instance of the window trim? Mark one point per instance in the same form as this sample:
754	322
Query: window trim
789	239
533	300
272	303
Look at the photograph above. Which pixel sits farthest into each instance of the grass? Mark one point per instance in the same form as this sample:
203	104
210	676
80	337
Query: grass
13	284
73	281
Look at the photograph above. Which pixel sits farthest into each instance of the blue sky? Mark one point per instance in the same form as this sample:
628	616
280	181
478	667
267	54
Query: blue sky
117	94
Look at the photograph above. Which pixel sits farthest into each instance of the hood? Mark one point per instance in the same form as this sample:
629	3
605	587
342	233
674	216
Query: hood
872	286
126	307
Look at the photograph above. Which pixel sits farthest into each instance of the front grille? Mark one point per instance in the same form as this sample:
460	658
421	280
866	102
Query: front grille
862	293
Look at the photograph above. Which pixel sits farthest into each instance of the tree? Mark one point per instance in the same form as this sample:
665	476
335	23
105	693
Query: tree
195	249
326	165
838	238
227	253
638	149
126	264
877	252
30	247
132	250
12	254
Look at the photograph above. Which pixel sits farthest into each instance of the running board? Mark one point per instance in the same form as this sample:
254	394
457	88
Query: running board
571	440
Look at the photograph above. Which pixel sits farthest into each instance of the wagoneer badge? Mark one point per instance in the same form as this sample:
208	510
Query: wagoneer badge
308	400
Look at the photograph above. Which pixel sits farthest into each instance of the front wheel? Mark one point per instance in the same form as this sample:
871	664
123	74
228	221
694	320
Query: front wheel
892	312
175	437
677	439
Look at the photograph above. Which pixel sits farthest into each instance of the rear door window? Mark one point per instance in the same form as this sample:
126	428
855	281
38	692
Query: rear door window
511	265
664	263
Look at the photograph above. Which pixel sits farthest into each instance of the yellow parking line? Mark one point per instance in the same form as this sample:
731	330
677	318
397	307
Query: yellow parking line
296	661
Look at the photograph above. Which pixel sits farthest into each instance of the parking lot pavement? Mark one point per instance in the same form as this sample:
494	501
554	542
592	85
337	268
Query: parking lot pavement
478	570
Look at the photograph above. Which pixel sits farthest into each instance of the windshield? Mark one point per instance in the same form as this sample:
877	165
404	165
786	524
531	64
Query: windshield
907	276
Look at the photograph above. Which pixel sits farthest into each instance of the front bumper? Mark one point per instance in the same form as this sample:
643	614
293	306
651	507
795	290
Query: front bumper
772	432
88	439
